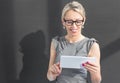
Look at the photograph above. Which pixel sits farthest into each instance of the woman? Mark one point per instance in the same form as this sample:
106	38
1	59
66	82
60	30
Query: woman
74	43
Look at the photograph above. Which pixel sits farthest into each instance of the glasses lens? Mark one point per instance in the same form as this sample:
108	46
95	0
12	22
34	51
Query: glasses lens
69	22
78	22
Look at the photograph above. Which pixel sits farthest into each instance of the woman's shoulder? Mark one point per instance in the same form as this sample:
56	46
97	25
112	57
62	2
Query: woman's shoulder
91	39
57	40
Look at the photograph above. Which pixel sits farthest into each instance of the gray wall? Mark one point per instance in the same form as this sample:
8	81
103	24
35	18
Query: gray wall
27	27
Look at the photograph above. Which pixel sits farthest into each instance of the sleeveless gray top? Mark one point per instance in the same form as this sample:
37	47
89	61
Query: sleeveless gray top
80	48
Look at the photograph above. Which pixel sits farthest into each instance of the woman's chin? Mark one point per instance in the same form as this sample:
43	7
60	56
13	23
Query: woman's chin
74	34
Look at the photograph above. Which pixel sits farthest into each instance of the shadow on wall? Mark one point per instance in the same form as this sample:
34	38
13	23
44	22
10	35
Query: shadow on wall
34	60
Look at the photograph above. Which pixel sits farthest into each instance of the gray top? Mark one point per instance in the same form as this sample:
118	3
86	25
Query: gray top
80	48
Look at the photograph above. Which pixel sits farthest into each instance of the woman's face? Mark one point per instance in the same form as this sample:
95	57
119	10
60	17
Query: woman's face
73	22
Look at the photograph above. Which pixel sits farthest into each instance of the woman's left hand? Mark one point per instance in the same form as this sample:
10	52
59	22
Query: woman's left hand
92	67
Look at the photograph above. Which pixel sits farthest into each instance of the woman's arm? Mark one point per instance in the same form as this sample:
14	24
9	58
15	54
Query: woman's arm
94	68
53	69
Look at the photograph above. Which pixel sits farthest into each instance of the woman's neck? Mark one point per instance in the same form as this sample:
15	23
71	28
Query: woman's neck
73	39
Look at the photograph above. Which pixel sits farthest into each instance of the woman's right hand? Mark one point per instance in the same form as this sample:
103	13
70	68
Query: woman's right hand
54	71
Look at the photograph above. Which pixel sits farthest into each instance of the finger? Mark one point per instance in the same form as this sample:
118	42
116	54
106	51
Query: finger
57	68
91	63
58	64
52	69
91	68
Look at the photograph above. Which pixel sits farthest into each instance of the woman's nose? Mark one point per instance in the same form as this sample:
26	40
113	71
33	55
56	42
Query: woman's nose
74	25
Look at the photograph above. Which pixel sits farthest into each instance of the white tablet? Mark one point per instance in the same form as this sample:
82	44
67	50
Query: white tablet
74	61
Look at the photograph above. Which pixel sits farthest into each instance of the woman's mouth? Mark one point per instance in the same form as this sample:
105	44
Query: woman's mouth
73	30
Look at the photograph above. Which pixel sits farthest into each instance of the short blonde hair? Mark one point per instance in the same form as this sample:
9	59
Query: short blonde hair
76	6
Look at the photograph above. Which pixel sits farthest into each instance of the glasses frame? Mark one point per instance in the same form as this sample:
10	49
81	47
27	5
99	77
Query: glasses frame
72	22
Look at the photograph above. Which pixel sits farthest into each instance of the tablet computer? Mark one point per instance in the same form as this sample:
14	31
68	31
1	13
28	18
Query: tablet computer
74	61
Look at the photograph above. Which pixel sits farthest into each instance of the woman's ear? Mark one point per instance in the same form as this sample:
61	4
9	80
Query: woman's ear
63	22
84	21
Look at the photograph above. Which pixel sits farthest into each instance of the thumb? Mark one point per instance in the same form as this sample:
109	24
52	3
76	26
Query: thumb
58	63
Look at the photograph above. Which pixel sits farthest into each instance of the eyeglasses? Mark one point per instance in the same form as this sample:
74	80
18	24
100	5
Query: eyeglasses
70	22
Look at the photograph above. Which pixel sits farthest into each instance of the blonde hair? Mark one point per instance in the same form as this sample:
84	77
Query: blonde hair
75	6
